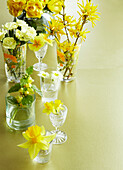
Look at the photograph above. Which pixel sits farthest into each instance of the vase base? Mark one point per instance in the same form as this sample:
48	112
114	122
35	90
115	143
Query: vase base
39	67
60	138
67	80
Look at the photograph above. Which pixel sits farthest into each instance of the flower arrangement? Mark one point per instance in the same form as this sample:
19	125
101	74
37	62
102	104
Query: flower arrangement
70	32
24	90
13	36
36	140
53	107
33	8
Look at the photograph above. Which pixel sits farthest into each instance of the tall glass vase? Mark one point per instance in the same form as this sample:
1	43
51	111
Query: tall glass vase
15	62
67	60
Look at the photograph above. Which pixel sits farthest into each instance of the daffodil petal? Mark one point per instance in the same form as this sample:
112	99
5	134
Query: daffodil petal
42	130
25	145
33	150
25	136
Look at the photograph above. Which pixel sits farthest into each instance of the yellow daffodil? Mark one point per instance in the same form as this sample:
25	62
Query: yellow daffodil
55	5
36	140
48	108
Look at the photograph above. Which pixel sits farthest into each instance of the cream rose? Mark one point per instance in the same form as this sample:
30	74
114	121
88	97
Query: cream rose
10	25
2	34
9	43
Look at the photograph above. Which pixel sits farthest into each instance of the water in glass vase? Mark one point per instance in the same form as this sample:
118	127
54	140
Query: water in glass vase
50	93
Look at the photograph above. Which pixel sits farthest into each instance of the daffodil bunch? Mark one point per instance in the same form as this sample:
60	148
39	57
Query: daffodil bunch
23	91
69	32
53	107
33	8
36	140
54	75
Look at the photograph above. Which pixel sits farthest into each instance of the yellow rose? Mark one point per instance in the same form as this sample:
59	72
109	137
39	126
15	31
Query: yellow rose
16	7
55	5
34	9
9	43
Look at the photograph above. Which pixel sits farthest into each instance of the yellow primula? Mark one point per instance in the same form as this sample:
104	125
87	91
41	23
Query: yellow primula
46	39
48	108
37	43
53	107
34	9
36	140
55	5
88	12
57	106
16	7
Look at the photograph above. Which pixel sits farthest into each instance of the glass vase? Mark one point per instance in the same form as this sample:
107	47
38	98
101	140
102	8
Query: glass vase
67	60
15	62
20	117
49	85
44	155
57	121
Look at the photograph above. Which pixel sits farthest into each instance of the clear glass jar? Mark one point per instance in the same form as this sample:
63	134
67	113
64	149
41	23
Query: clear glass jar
44	155
15	62
20	117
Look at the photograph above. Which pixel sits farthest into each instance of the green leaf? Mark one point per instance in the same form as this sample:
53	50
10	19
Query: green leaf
27	100
29	70
23	81
14	88
12	100
36	90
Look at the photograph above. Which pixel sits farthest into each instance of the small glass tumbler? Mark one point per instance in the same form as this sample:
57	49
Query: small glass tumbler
44	155
49	86
57	121
19	117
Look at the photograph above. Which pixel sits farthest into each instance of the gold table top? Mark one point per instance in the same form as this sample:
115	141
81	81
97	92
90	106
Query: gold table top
94	123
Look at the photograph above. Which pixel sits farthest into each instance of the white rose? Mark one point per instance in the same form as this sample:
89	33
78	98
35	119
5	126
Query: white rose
10	25
30	33
9	43
21	23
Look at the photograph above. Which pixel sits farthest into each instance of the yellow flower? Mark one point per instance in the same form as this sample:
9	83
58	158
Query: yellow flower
9	43
48	108
53	107
37	43
58	106
30	80
88	11
34	9
56	28
36	140
45	37
55	5
16	7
